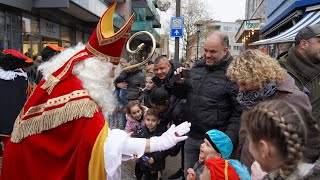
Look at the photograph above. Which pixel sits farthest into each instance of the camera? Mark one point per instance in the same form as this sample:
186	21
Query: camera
185	73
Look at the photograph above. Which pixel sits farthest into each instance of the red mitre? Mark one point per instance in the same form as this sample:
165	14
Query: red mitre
62	98
221	169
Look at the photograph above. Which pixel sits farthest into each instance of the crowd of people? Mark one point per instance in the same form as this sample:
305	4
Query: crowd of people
251	116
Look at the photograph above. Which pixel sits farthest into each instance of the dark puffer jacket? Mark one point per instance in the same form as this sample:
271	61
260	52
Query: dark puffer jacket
135	81
211	100
159	157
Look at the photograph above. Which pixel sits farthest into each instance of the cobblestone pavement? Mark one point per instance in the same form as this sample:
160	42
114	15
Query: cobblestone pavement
172	166
127	168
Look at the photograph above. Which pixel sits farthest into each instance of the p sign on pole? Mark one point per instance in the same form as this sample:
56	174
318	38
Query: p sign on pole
176	27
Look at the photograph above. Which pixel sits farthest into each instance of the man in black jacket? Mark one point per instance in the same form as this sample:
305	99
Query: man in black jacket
211	97
164	74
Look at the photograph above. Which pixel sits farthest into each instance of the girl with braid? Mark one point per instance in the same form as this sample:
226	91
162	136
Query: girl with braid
284	140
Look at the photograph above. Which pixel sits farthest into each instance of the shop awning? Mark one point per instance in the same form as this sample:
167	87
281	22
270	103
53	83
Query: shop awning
289	35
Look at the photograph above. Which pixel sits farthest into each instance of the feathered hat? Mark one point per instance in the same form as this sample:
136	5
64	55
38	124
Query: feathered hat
104	42
12	59
49	51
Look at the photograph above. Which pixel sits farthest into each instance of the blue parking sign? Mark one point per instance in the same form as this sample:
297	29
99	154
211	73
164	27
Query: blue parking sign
176	27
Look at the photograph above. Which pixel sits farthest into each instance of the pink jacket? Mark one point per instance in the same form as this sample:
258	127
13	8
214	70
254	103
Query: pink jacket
132	123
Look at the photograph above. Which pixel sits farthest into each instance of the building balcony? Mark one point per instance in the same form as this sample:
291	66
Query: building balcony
151	13
118	21
146	26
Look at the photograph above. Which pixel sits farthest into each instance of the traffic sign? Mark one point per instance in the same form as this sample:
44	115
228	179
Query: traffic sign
176	27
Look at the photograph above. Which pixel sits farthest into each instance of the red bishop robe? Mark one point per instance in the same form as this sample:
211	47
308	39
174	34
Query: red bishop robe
58	135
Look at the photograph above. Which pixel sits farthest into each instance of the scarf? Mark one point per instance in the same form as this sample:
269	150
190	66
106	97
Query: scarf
248	99
302	66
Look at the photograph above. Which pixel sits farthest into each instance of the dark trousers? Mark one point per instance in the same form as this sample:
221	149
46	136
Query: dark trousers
151	175
137	171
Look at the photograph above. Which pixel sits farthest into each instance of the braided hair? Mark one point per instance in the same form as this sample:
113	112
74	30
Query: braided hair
282	124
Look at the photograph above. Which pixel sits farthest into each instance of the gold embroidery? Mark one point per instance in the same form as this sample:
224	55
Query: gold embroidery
56	101
99	54
108	40
52	81
53	118
226	170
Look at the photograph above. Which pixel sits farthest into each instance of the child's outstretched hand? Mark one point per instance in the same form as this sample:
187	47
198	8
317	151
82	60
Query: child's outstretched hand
191	174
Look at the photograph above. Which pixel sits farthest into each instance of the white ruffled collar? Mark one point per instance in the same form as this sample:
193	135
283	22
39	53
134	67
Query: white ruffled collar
11	75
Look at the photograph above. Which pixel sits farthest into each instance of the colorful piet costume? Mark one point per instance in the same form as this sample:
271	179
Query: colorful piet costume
62	132
13	90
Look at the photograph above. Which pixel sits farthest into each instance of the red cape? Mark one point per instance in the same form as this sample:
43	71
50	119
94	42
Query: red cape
48	142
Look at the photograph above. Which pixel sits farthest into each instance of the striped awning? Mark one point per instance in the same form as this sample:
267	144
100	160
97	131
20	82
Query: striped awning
289	35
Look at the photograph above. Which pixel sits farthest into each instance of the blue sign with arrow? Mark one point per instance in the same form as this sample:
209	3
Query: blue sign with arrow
176	27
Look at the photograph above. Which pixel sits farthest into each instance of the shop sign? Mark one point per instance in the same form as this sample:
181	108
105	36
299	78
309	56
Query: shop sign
49	29
252	25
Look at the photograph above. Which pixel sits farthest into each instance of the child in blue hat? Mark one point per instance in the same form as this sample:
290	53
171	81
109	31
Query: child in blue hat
217	145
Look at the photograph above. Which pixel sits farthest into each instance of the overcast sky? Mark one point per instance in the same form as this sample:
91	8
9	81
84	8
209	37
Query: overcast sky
227	10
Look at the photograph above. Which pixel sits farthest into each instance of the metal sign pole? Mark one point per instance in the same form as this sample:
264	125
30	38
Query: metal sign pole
176	43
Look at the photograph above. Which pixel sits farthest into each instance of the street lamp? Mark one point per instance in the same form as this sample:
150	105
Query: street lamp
198	25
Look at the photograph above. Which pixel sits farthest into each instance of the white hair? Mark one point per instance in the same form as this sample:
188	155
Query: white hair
94	73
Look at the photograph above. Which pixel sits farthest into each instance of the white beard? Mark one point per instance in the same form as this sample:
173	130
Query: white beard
94	73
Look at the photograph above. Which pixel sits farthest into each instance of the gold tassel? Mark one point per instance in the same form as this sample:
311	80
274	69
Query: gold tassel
50	83
54	118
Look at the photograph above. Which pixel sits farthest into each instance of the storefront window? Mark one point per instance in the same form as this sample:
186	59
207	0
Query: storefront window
65	33
2	22
30	24
79	37
65	36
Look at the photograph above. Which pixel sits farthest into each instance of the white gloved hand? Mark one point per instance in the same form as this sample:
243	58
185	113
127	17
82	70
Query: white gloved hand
170	138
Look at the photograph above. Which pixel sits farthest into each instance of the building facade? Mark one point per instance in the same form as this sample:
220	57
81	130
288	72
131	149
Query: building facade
29	25
249	30
284	18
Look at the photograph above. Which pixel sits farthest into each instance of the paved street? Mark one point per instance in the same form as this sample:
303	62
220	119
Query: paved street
172	165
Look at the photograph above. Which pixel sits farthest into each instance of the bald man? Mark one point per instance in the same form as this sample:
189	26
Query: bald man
211	97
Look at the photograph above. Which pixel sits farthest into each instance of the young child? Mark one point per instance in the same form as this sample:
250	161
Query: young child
218	146
284	140
135	115
152	164
144	98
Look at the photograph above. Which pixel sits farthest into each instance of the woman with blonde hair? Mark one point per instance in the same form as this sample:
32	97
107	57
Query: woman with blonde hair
261	78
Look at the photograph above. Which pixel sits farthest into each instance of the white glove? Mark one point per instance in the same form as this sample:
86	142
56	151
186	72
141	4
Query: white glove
170	138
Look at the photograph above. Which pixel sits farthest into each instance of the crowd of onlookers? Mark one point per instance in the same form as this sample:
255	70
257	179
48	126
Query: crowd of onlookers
252	116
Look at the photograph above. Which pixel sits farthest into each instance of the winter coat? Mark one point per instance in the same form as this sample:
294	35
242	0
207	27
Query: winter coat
144	98
134	125
174	113
294	62
287	91
159	157
212	100
135	81
304	171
